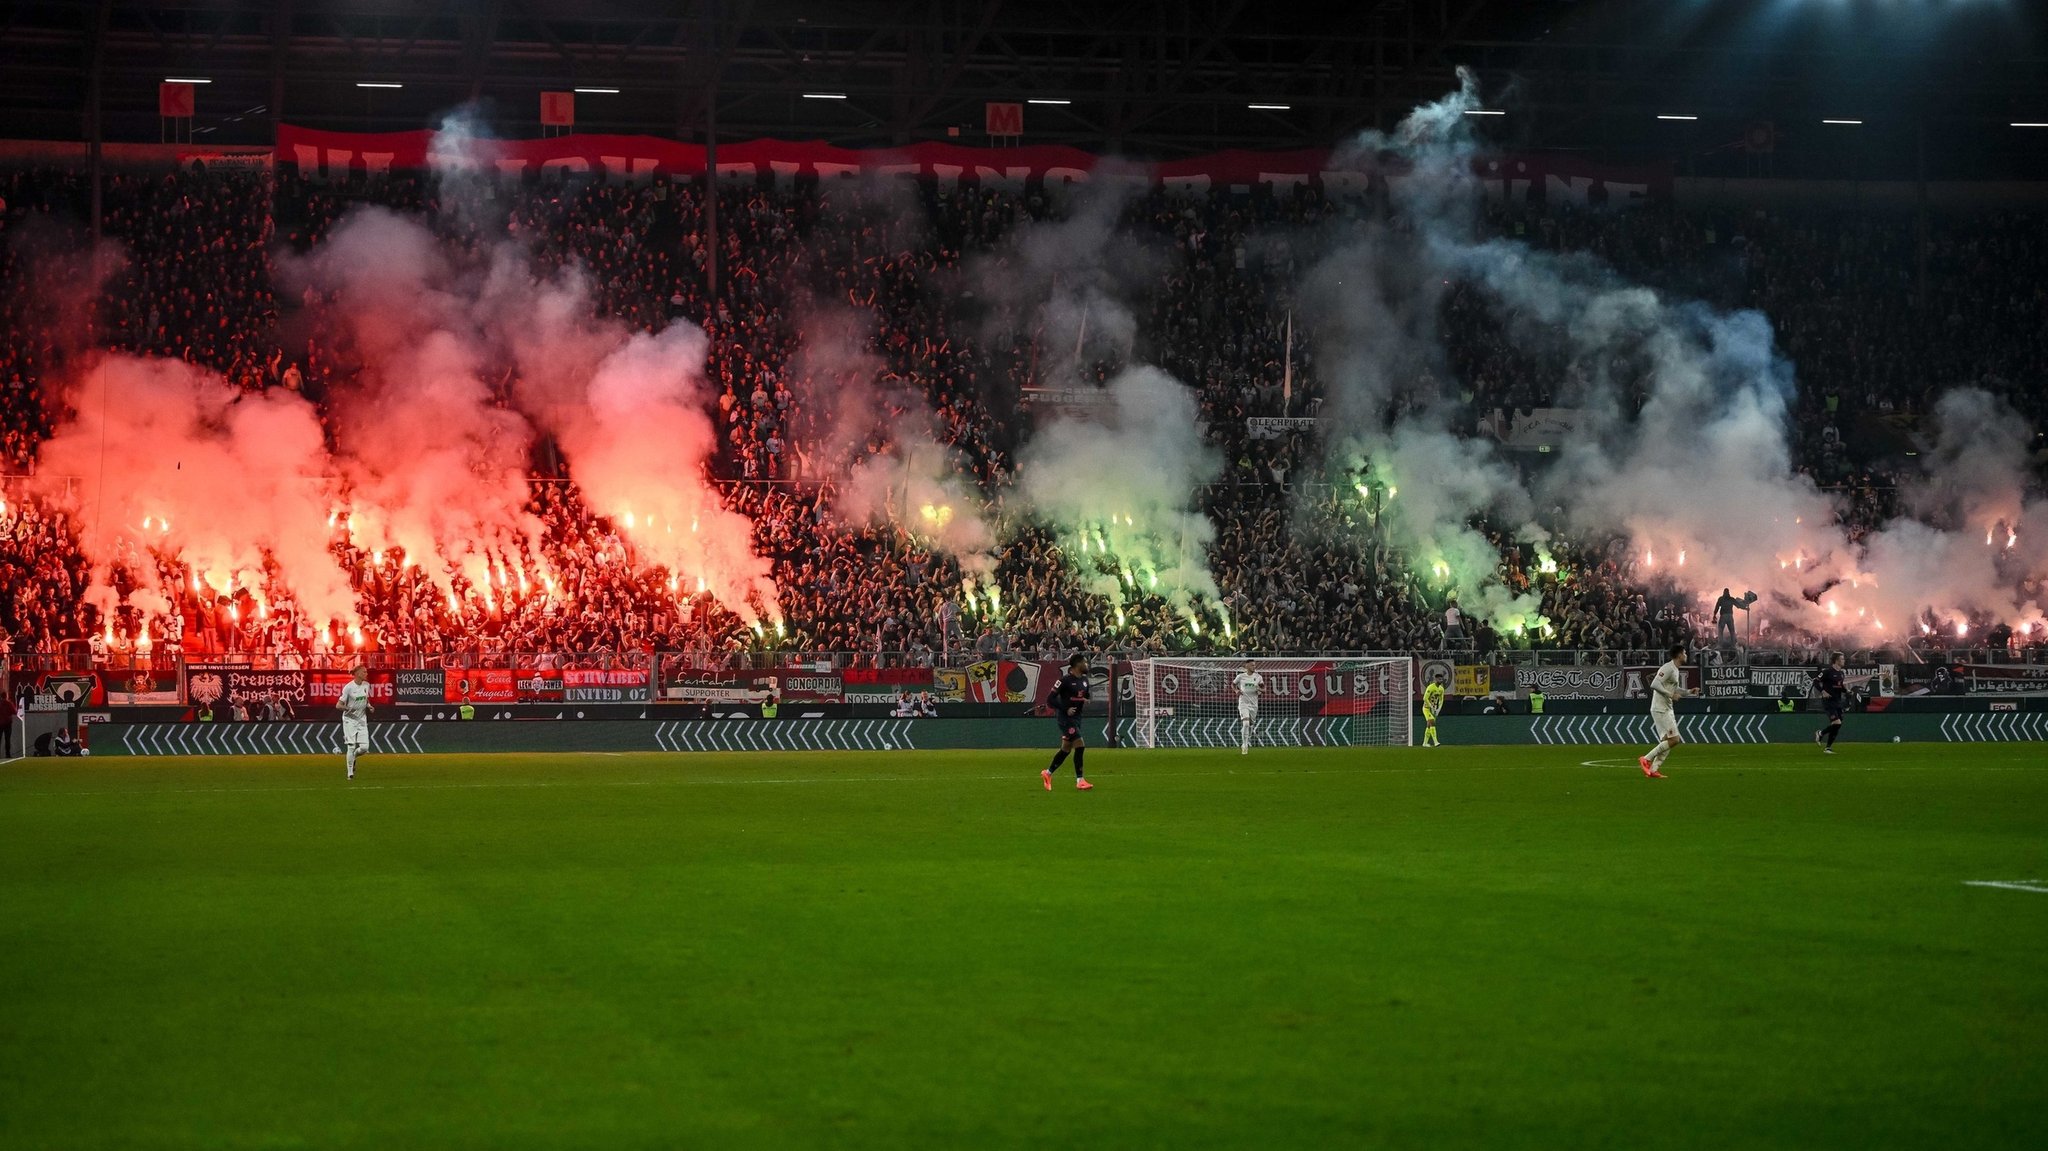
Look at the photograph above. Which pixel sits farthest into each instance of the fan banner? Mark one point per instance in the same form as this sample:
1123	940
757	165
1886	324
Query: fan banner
1559	178
1468	680
480	685
222	685
795	686
1636	680
536	686
323	690
418	686
1570	682
1972	679
1723	675
605	685
140	686
884	684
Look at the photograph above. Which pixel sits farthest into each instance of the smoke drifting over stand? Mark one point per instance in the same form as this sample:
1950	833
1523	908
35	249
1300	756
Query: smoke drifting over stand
1683	446
1118	480
470	353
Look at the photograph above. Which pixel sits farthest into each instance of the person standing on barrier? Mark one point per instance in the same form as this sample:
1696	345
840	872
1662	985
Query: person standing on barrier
1724	619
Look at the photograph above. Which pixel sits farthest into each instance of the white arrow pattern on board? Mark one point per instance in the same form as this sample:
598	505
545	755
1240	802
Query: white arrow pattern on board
263	738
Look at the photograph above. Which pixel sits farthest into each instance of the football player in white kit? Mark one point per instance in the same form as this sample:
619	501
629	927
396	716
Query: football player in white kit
1248	682
1665	688
355	716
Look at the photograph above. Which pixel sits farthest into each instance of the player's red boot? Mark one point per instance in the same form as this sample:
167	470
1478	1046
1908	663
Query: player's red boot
1081	785
1649	768
1047	776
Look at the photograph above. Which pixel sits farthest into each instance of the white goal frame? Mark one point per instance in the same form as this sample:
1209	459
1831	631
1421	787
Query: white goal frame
1192	702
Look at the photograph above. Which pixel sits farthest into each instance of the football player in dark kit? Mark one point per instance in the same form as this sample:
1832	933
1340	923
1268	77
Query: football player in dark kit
1067	698
1834	688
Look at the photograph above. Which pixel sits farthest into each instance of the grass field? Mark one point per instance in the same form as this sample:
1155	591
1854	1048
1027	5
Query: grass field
1490	948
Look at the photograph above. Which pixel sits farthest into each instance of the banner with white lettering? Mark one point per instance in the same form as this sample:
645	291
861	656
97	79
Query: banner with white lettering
605	685
1277	427
1570	682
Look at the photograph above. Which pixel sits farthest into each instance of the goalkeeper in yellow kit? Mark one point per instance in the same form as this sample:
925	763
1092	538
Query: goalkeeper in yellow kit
1432	706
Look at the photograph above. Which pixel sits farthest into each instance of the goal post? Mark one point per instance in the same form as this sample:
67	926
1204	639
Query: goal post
1331	702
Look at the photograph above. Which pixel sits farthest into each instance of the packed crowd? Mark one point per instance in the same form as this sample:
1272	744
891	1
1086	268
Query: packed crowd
824	294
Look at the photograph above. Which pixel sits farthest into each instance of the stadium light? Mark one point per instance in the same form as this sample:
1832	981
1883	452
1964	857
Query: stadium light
599	91
1670	116
1046	100
186	80
1484	112
1269	107
2030	123
1841	121
378	84
824	95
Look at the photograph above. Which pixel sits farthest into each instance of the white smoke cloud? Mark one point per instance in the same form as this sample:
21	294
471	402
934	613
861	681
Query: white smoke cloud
433	462
1683	446
1120	480
913	482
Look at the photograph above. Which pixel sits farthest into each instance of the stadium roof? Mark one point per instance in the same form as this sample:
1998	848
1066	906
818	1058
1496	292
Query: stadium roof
1141	76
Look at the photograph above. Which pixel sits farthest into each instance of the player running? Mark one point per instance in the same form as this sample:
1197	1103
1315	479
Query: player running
1665	689
1432	706
1834	687
1248	683
355	717
1068	696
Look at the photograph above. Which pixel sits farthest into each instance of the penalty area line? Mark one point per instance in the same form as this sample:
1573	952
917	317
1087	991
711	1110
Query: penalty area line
1692	766
2033	885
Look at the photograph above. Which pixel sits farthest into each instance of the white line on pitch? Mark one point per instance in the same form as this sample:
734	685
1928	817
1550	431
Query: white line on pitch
2033	885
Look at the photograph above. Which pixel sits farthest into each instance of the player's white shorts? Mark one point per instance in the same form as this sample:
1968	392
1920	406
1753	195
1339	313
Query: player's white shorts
1666	723
355	733
1247	711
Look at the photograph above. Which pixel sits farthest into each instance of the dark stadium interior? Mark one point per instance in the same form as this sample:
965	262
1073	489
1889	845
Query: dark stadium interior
1934	83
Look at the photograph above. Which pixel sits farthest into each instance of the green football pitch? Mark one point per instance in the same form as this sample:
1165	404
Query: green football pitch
1486	948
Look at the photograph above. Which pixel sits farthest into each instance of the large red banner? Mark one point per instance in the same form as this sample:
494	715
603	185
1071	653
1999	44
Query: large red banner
482	685
326	155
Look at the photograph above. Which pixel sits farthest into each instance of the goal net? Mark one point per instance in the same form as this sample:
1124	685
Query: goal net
1302	702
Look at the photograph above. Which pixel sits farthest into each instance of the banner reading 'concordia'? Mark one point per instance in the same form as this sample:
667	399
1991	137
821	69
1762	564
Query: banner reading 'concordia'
1557	178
